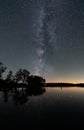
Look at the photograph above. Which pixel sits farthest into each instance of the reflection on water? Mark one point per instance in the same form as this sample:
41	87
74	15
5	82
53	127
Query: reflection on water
20	95
55	108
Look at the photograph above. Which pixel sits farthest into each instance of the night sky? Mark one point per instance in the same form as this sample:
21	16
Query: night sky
44	36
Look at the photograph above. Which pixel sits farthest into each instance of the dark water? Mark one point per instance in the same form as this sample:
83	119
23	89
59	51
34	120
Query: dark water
55	108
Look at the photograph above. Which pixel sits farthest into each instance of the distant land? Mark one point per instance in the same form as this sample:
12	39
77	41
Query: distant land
64	84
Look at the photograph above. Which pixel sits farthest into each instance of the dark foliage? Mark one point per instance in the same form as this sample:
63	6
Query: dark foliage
9	77
2	69
21	76
36	81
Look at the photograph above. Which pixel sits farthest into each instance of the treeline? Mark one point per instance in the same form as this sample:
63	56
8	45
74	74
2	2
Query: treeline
64	85
59	84
22	76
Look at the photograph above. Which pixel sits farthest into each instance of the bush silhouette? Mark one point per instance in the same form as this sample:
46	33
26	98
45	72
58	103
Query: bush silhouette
36	81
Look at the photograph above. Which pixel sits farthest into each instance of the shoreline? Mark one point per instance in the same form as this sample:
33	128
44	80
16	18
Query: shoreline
64	85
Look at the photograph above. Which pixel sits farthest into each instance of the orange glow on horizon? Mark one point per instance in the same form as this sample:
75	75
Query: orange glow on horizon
64	80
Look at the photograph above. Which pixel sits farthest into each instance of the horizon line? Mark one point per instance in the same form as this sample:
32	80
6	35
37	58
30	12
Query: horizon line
65	82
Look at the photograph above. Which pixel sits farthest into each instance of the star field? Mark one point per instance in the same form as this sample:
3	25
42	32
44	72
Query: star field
44	36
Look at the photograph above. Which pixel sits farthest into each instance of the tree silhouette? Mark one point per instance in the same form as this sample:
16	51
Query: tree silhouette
22	76
9	76
2	69
36	81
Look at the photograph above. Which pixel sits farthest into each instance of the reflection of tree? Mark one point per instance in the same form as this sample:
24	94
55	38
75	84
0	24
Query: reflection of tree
5	95
35	90
20	95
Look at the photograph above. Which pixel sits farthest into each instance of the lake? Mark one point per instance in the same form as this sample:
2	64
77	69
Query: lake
53	107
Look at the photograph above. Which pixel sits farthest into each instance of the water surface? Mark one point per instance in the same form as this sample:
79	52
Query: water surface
57	108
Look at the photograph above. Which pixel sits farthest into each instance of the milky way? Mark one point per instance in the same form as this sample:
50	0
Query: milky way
41	47
45	35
